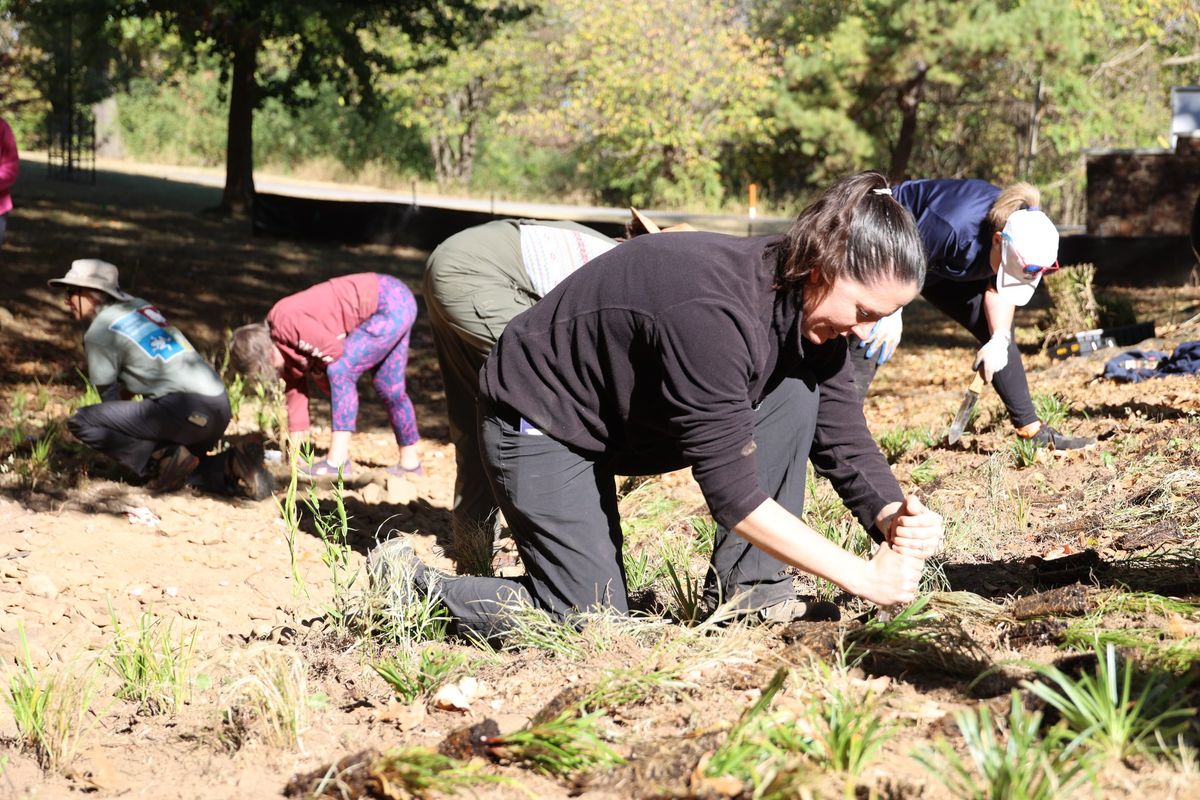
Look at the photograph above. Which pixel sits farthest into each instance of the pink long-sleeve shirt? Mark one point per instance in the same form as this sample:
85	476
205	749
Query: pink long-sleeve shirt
309	328
10	165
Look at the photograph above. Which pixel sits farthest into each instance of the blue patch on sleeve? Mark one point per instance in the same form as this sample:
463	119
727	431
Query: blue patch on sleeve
152	338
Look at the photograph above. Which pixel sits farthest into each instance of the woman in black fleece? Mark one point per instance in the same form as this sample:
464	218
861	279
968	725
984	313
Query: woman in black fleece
724	354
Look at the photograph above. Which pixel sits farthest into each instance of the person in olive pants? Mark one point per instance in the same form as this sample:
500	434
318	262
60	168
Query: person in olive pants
475	283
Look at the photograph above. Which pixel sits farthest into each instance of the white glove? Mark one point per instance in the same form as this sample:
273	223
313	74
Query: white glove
884	337
993	356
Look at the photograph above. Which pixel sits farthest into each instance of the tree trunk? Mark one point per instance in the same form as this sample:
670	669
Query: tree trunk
909	101
239	155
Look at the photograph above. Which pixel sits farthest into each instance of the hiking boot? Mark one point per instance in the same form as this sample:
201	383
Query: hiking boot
1048	437
800	610
174	468
245	469
395	570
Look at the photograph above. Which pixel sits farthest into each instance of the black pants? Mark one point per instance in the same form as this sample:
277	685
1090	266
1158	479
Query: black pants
962	301
561	507
130	431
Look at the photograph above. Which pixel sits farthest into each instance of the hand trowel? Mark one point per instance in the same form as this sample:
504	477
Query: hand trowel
970	396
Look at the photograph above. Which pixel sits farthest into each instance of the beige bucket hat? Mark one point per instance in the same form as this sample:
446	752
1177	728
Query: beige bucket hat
92	273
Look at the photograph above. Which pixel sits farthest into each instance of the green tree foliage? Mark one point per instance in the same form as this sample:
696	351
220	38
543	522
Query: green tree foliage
647	94
320	41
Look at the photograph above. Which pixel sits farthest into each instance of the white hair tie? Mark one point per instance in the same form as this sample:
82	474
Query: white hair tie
884	190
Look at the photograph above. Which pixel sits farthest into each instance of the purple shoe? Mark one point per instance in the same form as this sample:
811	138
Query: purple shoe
402	472
323	469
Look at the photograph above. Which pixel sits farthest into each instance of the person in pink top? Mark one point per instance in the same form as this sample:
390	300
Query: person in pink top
10	165
334	332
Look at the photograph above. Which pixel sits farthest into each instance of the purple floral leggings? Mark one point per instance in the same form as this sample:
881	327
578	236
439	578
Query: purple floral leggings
380	341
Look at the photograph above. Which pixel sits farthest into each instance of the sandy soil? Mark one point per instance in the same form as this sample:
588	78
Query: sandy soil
80	548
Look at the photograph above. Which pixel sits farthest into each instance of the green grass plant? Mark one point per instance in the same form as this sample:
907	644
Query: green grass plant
848	730
923	473
52	710
1113	710
154	666
761	751
1024	452
896	442
566	745
704	530
531	627
400	615
413	677
1174	655
639	572
686	593
36	466
268	702
91	395
1051	408
289	512
333	529
417	772
1024	765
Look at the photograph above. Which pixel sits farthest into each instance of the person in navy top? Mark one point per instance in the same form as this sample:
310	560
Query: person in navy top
987	250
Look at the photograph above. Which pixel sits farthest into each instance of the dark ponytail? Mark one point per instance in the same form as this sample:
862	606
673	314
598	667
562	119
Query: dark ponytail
855	229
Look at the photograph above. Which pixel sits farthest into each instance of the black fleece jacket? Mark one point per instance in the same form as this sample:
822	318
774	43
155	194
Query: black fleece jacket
652	356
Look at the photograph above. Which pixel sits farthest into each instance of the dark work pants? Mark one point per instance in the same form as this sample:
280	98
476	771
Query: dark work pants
130	431
561	507
962	301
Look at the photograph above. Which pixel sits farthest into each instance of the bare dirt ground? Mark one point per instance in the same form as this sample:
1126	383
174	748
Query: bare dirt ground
84	553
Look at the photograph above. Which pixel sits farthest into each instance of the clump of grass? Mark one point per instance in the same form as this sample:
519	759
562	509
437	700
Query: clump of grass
52	710
686	594
1073	306
894	443
639	572
1171	655
398	613
919	638
1051	409
37	465
269	702
704	530
333	528
1024	452
1106	712
418	772
925	472
154	667
1025	766
289	512
847	728
414	677
531	627
91	395
761	753
565	745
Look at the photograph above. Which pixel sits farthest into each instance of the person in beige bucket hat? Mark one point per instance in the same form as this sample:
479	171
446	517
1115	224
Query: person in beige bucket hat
132	350
92	273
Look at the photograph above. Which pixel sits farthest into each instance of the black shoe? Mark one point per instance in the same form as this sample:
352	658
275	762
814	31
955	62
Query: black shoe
245	468
1048	437
174	468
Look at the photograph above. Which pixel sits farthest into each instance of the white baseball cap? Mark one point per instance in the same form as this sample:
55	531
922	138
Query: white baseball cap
1028	247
